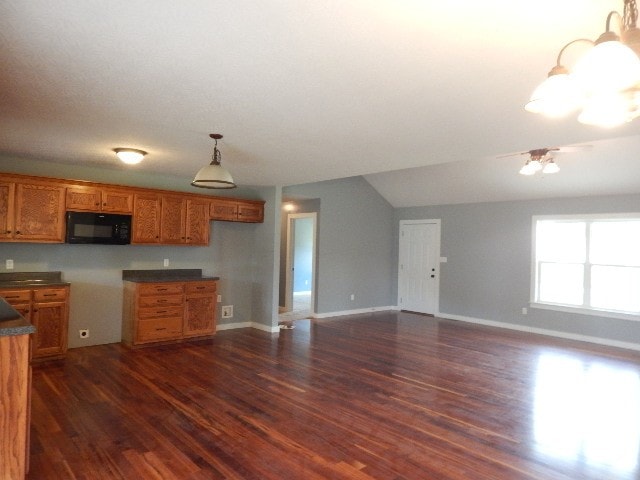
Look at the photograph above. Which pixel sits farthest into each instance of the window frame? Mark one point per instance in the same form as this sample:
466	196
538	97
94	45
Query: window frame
584	310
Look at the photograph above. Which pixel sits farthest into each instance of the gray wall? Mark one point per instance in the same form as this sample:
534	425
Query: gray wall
95	271
355	244
487	275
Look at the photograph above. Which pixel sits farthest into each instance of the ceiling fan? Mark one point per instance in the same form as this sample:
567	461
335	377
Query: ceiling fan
541	159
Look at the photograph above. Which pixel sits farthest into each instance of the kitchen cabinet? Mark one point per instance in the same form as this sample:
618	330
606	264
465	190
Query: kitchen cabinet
167	311
146	218
199	310
183	221
32	212
15	399
47	308
232	210
170	219
97	199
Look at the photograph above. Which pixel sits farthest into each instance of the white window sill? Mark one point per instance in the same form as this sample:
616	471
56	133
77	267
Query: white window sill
585	311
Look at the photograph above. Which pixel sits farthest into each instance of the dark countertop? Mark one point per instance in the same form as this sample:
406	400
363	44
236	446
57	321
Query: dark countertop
165	275
12	323
31	279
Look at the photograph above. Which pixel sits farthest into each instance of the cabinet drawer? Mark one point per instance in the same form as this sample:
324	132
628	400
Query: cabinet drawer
160	301
49	294
200	287
159	312
159	329
15	297
160	289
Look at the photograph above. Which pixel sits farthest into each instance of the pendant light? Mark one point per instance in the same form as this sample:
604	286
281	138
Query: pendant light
214	175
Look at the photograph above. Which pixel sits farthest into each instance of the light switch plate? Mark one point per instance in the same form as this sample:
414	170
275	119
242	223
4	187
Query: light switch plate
9	265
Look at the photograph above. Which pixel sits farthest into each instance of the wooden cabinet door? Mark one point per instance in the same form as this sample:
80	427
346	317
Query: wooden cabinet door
199	316
7	211
199	309
40	212
197	224
173	219
116	201
86	199
250	212
50	320
146	218
224	210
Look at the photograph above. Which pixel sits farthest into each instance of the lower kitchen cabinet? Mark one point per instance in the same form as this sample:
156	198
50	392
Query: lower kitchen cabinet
47	308
168	311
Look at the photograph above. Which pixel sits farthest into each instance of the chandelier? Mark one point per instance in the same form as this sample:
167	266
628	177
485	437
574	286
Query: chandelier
604	84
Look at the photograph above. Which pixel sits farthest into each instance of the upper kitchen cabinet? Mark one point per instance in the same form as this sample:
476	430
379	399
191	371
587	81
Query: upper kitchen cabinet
95	199
184	221
32	211
146	218
231	210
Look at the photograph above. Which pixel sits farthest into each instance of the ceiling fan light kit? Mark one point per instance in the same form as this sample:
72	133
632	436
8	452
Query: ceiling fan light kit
214	175
604	83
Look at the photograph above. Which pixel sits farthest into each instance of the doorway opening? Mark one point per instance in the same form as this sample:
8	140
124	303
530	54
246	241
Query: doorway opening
300	266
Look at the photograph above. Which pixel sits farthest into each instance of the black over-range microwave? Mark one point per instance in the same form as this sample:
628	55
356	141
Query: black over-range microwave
102	228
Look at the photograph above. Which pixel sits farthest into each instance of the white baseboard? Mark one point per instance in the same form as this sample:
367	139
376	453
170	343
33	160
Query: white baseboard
542	331
259	326
352	312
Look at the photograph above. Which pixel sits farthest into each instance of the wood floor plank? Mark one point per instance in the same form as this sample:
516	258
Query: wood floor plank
386	395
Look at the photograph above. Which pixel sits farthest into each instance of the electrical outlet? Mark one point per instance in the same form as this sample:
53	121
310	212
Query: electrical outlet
227	311
524	310
353	296
219	298
9	265
84	333
166	262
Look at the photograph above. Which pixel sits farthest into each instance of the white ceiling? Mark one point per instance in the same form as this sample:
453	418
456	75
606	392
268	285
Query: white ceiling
419	96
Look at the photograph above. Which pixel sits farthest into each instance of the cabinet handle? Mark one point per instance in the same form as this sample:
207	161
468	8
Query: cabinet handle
97	203
161	289
49	294
163	328
18	232
9	297
161	311
162	300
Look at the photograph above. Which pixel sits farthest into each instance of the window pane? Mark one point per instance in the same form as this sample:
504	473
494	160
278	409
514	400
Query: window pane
560	241
561	283
615	243
615	288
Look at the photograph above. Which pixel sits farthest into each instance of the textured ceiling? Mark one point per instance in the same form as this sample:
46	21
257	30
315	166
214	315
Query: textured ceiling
418	96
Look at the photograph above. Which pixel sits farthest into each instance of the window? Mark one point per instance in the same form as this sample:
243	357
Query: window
587	263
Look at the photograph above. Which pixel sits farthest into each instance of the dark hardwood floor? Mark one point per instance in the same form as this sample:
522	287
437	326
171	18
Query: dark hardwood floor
385	396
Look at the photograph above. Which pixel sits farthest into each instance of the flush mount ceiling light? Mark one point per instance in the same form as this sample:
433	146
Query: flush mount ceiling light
214	175
130	156
604	83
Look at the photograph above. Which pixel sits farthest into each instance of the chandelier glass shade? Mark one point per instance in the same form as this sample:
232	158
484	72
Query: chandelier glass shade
604	84
214	175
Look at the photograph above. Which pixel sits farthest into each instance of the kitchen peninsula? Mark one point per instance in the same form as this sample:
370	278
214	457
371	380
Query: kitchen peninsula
15	387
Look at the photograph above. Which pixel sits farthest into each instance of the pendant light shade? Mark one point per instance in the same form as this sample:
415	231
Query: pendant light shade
214	175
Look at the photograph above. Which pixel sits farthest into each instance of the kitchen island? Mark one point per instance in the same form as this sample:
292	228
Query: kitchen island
15	392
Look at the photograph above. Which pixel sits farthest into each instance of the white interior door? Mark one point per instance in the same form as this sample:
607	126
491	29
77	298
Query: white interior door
419	266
